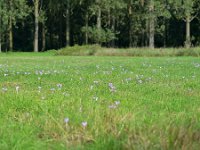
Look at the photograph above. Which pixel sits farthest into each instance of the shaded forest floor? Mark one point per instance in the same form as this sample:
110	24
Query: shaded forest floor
67	102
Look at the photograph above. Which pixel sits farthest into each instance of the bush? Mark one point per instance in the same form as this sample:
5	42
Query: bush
53	51
137	52
77	50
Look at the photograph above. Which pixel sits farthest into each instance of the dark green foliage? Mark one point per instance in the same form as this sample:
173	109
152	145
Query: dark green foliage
110	23
99	35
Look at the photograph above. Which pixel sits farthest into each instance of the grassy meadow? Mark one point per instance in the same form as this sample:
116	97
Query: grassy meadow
73	102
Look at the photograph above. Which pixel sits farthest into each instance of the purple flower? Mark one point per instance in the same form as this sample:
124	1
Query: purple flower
91	87
52	89
40	72
4	89
17	89
66	94
197	65
66	120
128	79
39	88
59	86
84	124
112	106
95	98
117	103
112	87
43	98
80	109
139	81
96	82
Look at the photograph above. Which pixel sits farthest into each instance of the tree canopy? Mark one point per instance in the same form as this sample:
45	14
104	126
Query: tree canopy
39	25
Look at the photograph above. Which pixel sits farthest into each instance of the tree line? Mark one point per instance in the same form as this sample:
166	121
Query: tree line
39	25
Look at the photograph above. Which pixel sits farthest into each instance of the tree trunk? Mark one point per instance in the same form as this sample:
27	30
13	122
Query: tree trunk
147	33
130	26
99	24
51	41
60	35
151	33
68	24
36	5
87	25
151	25
109	18
165	33
10	34
0	43
109	25
43	37
10	28
0	35
99	18
188	38
143	38
113	29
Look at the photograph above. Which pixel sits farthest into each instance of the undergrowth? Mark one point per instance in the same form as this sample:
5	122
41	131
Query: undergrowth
96	50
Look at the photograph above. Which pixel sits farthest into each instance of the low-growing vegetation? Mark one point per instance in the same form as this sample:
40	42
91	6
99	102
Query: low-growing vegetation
50	102
96	50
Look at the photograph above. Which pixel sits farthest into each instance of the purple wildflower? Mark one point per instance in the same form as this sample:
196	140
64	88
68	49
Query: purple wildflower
84	124
17	89
43	97
4	89
96	82
66	120
91	87
52	90
39	89
95	98
112	87
112	106
59	86
117	103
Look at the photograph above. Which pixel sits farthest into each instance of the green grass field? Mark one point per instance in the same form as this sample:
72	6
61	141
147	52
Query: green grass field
103	103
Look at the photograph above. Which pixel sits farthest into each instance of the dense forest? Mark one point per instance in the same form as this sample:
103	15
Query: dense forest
39	25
